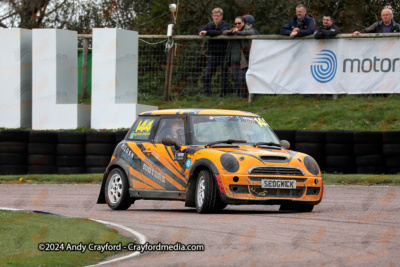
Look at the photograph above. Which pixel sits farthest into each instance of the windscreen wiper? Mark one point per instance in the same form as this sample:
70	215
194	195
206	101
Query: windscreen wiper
267	144
229	141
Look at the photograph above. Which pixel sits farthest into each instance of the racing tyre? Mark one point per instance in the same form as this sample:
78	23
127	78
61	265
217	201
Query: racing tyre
206	193
299	207
220	205
117	190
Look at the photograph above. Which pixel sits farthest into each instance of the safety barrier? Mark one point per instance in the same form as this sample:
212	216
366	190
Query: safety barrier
49	152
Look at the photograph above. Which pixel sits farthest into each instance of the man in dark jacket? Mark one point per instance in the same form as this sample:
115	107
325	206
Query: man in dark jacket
328	29
301	25
386	25
217	50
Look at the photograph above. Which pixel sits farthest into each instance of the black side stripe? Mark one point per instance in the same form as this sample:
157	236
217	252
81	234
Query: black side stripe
166	170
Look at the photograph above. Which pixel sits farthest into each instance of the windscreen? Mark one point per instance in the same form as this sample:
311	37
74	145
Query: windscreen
213	128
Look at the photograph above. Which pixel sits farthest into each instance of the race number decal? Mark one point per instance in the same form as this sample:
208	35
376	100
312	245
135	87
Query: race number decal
143	128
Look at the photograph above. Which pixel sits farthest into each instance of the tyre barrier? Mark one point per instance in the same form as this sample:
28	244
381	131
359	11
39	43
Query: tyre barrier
99	148
47	152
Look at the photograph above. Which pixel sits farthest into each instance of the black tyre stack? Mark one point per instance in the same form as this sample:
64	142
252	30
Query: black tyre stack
42	150
99	149
368	151
288	135
71	151
391	151
339	151
119	136
312	143
13	152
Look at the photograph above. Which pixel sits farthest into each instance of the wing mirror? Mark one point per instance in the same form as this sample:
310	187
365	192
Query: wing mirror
285	144
170	141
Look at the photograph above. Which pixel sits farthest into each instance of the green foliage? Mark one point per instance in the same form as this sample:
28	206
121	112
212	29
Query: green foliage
152	17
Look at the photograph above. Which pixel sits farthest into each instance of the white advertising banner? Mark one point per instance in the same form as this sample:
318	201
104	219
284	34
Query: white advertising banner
330	66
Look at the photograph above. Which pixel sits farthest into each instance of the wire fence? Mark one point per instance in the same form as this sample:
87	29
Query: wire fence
193	59
189	65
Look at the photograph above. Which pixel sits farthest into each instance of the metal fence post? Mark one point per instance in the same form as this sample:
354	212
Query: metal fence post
168	72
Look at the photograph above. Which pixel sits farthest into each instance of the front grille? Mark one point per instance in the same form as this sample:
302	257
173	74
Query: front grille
274	158
259	178
257	191
313	191
239	189
277	171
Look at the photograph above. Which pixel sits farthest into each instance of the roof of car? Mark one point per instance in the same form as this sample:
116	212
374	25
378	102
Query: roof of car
199	112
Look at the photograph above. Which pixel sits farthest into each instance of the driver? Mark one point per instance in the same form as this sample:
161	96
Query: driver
176	131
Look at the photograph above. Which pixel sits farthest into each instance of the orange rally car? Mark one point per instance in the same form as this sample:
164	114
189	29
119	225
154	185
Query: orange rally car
209	158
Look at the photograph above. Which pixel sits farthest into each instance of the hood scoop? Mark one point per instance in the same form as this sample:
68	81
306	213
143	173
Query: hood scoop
274	158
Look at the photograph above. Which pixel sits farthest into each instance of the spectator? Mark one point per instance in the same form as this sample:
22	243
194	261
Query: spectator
238	52
217	49
386	25
250	21
301	25
328	29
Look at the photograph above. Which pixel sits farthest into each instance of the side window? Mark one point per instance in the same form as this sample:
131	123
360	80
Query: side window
171	128
141	130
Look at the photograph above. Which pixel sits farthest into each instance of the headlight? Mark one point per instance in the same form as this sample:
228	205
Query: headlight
311	165
229	162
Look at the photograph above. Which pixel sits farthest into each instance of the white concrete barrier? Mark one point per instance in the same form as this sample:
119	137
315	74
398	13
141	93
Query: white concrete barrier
15	78
115	79
55	81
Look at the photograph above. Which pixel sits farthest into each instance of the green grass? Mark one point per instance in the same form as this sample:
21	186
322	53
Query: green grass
361	179
51	179
348	112
347	179
22	232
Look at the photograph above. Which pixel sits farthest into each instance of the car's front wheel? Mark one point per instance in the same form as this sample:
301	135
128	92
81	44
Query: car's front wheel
117	190
206	192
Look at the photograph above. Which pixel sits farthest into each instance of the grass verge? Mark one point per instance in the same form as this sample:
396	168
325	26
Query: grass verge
319	112
52	178
346	179
21	232
362	179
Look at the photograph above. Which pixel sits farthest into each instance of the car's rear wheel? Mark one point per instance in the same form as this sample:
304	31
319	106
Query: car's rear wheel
117	190
299	207
206	192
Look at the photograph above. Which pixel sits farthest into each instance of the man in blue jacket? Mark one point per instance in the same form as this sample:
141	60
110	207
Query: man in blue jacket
217	50
301	25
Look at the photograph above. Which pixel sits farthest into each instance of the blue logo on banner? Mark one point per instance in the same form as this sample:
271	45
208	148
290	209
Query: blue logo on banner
325	66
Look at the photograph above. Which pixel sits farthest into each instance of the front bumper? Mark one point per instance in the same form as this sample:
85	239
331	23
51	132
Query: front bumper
246	189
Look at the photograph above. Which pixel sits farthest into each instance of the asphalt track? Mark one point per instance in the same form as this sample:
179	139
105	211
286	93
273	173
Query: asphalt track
353	226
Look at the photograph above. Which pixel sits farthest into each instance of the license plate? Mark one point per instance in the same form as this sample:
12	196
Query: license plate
284	184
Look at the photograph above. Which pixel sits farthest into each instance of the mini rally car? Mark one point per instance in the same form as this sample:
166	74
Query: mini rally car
209	158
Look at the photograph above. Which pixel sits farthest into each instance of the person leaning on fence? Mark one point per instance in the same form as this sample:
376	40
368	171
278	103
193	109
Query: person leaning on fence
237	53
250	21
301	25
328	29
217	49
386	25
